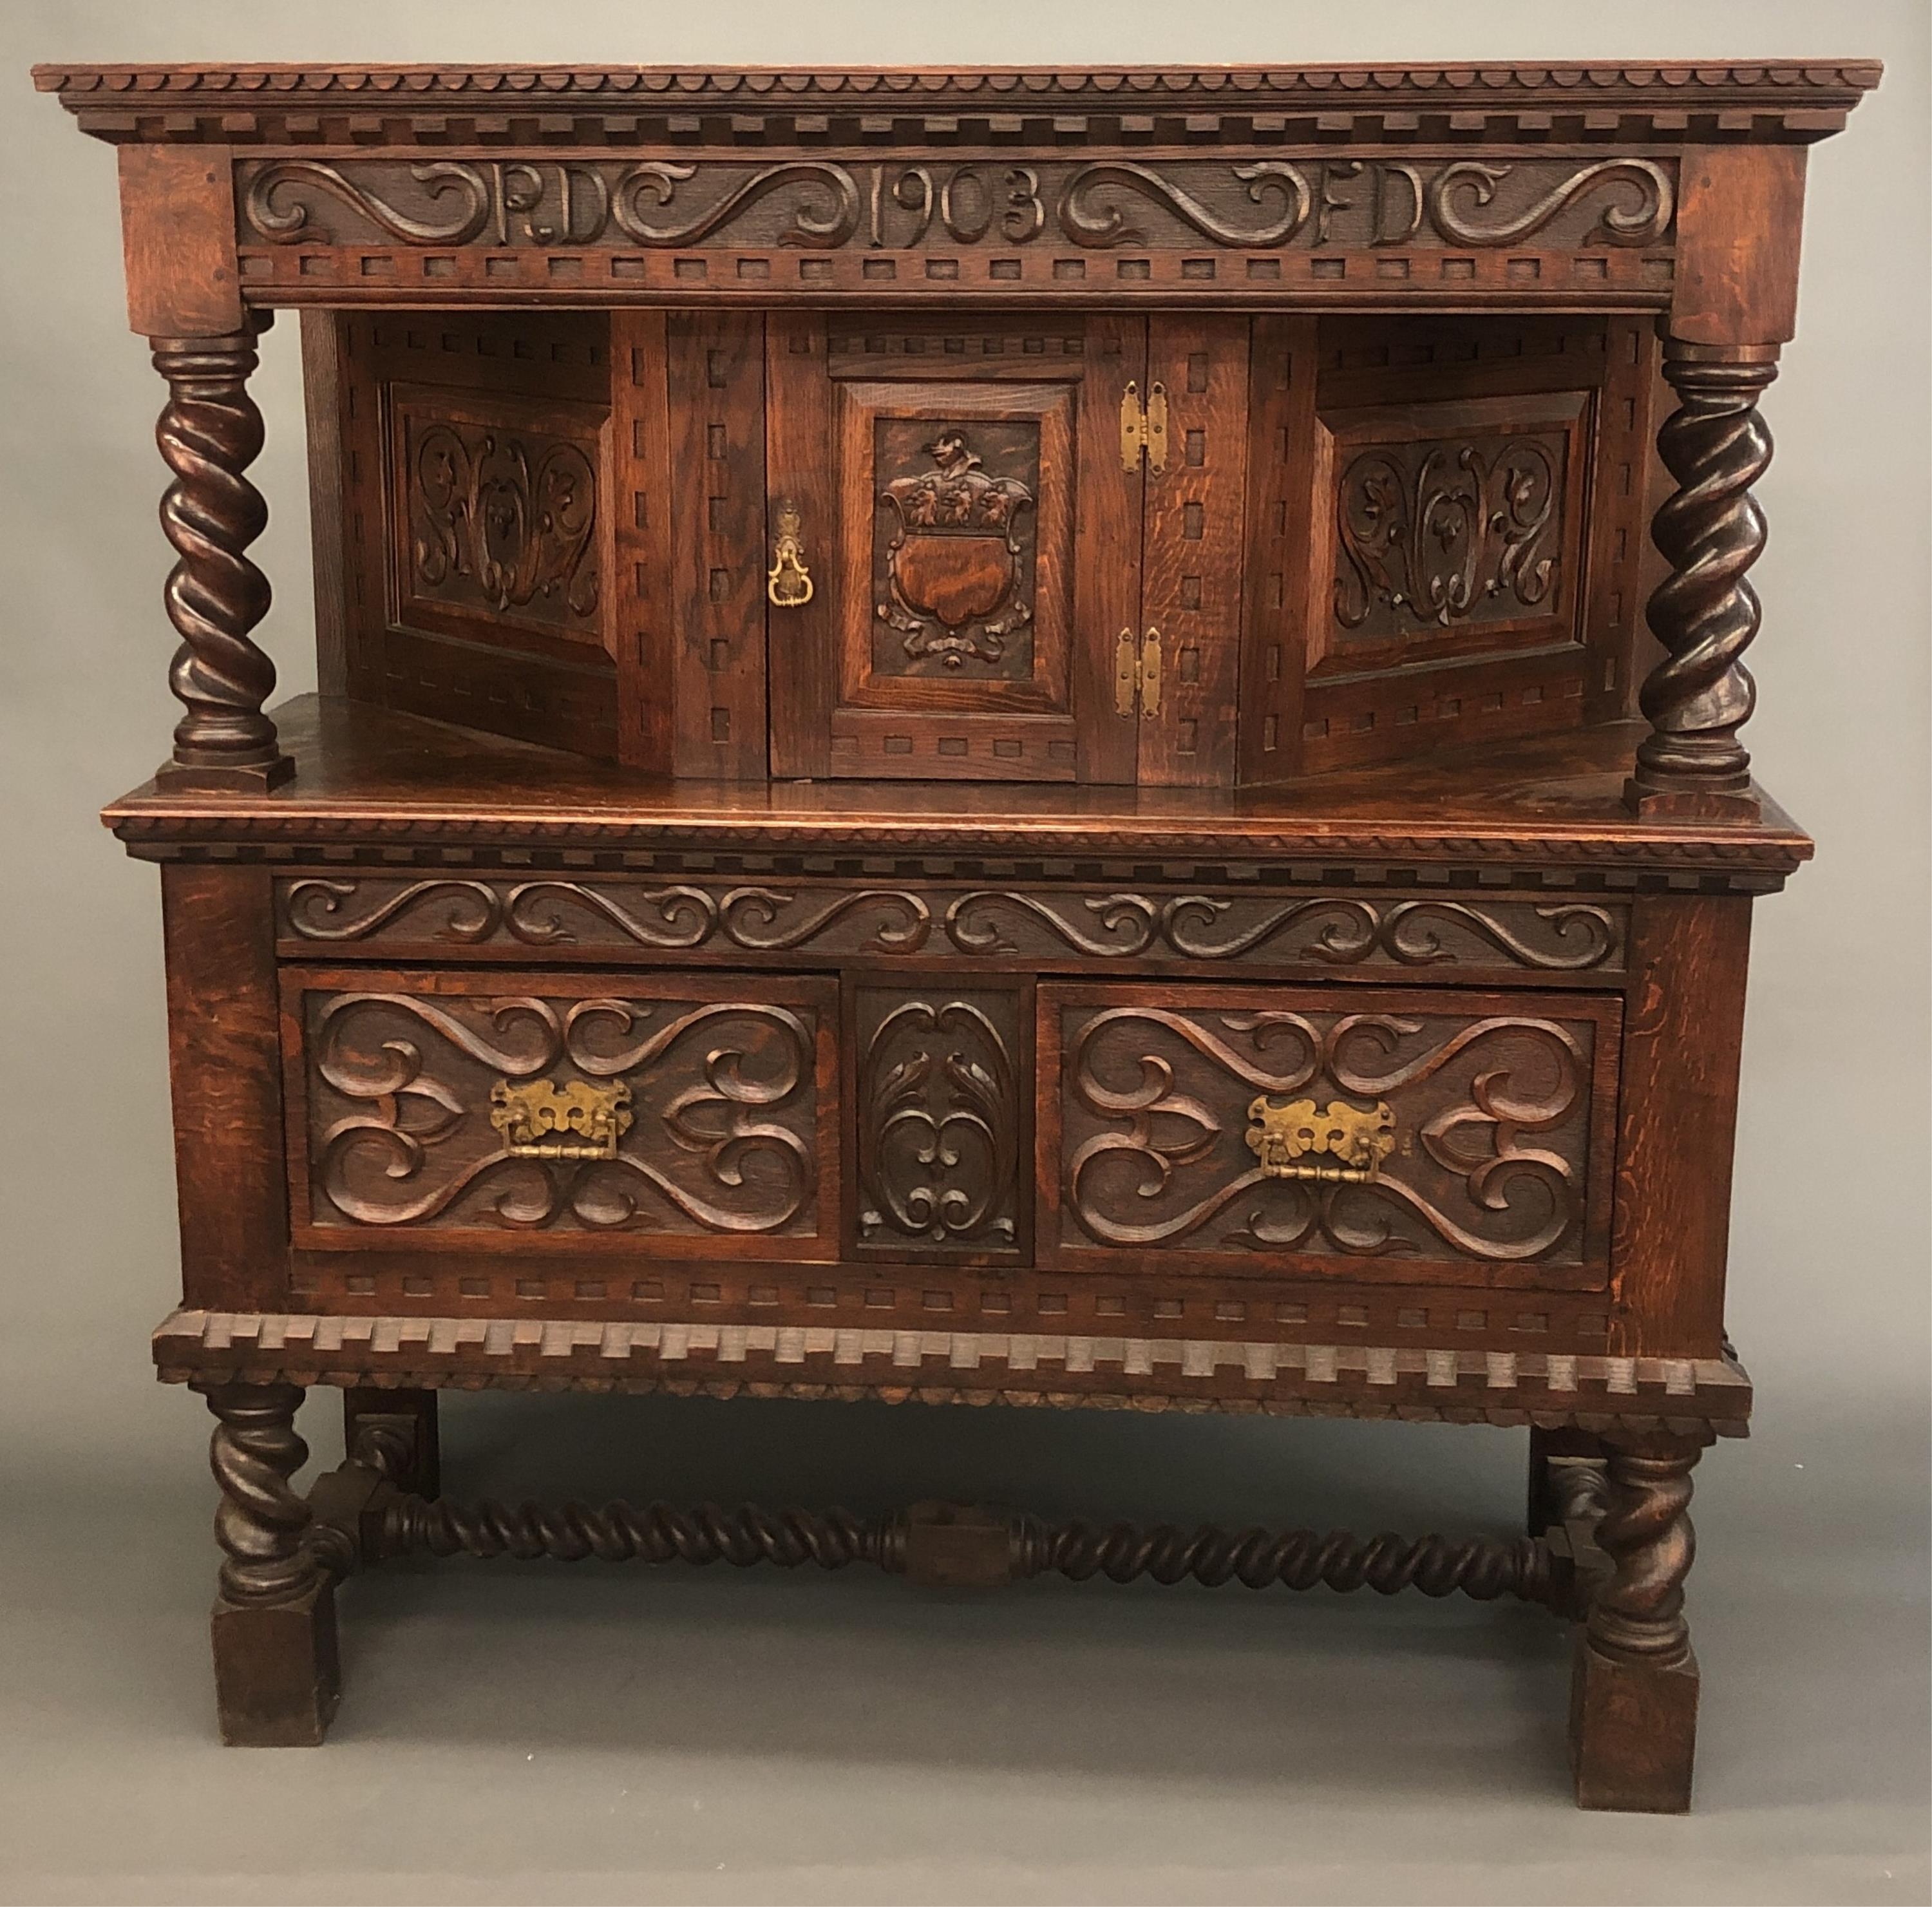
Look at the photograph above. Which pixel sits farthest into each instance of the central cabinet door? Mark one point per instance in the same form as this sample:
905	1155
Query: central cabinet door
959	516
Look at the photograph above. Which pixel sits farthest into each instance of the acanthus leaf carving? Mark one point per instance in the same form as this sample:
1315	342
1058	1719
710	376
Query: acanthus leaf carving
1433	533
939	1126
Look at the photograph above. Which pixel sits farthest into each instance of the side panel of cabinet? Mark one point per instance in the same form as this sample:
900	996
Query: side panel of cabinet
478	474
1447	537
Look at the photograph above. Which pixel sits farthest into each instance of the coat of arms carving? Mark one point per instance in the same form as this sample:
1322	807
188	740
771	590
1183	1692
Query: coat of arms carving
953	569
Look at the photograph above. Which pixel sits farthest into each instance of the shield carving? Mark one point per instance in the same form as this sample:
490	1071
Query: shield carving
952	566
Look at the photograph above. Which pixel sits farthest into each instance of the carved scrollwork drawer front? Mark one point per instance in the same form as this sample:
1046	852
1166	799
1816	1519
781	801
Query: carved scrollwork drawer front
1452	1137
562	1111
424	917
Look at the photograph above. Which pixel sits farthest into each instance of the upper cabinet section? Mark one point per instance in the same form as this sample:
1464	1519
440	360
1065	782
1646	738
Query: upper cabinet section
1405	186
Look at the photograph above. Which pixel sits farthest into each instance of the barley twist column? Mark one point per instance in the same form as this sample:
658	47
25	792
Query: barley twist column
276	1673
209	432
1633	1696
1705	613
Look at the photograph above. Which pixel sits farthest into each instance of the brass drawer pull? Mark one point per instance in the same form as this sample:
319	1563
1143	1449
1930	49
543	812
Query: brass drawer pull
600	1115
788	582
1283	1138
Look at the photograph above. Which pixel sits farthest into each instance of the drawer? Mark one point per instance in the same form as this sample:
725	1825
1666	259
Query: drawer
572	1112
1425	1135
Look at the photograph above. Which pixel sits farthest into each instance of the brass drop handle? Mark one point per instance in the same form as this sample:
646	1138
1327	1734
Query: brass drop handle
787	582
589	1119
1289	1140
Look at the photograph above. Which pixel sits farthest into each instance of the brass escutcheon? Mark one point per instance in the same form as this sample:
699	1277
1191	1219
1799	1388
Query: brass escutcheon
788	582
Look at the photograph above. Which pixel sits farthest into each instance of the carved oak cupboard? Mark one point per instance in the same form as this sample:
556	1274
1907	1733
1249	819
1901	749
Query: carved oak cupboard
1067	738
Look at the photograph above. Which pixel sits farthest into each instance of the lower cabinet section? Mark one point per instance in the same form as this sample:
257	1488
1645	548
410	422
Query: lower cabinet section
571	1111
1457	1137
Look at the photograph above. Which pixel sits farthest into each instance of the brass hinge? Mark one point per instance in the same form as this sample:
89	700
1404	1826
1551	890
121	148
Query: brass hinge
1144	427
1137	673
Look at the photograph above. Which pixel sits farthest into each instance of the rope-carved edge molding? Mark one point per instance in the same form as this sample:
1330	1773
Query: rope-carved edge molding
1679	1395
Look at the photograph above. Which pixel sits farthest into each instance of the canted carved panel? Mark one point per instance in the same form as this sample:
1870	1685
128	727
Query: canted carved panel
1448	531
561	1112
1425	936
940	1117
1373	1136
954	546
500	517
1457	528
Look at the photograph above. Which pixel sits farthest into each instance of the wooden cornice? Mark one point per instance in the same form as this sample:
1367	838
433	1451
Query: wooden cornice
379	106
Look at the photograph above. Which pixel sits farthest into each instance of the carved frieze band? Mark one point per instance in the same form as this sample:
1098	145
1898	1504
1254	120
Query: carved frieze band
1324	931
825	204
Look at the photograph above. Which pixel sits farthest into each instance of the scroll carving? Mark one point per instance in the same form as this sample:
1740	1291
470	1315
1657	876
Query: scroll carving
1270	182
1572	937
510	517
413	1098
823	204
1640	192
1438	533
658	181
939	1123
1492	1116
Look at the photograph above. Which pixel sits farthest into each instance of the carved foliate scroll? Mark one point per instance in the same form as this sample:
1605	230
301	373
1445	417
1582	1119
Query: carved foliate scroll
1276	1129
501	516
565	1111
1445	532
939	1122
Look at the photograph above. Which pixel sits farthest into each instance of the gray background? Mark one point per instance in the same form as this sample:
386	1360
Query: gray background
538	1734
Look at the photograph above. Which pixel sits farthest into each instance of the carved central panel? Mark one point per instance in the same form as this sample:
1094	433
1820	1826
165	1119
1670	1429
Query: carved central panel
939	1121
500	515
463	1103
1491	1129
954	546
